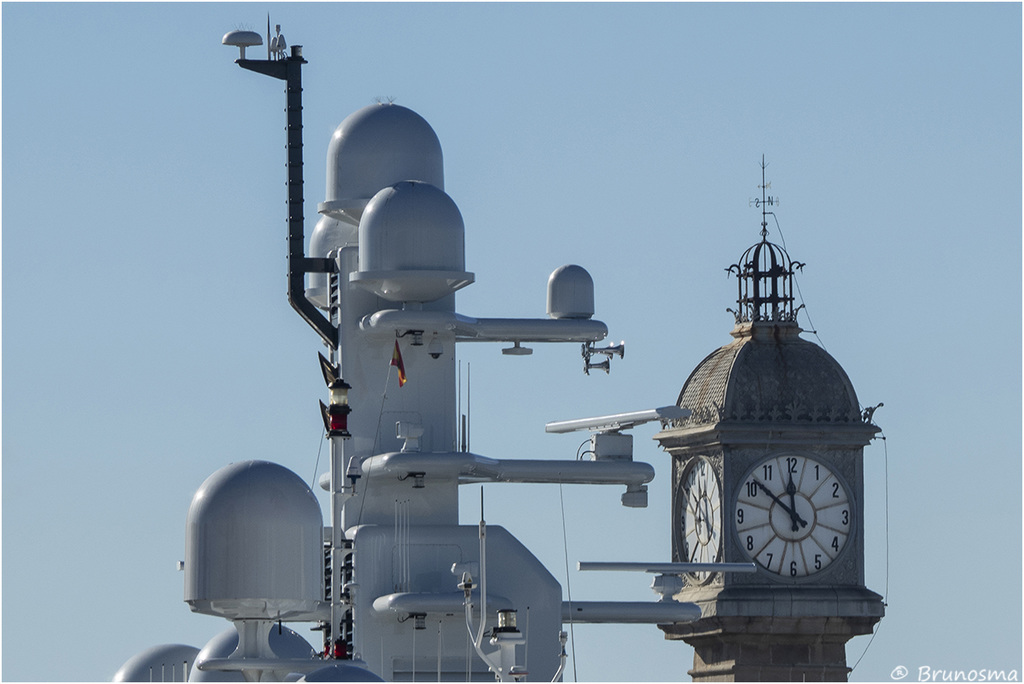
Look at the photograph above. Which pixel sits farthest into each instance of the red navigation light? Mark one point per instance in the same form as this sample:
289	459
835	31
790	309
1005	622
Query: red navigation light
339	421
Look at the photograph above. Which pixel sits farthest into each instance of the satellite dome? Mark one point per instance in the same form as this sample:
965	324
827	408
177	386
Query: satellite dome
328	235
570	293
254	544
374	148
285	643
241	39
167	662
412	244
341	672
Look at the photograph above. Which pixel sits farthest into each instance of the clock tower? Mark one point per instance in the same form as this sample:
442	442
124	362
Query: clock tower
768	468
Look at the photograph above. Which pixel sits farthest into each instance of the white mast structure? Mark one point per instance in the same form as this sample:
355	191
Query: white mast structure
410	593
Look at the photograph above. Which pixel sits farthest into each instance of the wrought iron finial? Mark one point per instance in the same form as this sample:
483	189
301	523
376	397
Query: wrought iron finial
765	272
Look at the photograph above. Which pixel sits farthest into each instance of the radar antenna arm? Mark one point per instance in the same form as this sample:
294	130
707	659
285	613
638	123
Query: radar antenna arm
618	421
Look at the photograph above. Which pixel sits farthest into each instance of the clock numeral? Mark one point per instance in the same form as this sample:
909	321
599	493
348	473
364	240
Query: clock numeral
739	516
835	543
769	564
750	543
835	490
817	474
792	569
767	471
791	465
846	517
817	561
752	489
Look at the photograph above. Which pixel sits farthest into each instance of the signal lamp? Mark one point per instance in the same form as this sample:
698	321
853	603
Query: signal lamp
339	392
506	621
337	412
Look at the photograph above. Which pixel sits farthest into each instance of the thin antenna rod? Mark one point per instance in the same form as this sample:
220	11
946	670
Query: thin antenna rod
460	428
268	36
482	533
764	204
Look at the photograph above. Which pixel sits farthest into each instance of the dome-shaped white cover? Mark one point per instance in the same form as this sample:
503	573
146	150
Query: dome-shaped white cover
285	643
570	293
167	662
329	234
254	544
412	244
373	148
340	671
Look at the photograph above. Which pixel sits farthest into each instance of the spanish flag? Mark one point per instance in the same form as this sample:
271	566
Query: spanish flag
396	361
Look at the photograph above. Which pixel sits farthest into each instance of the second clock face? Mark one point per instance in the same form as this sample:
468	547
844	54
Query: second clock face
793	515
700	516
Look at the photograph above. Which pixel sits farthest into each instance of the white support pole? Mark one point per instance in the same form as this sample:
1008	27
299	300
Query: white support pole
338	496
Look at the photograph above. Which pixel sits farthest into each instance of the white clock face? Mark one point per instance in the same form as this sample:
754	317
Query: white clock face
700	516
793	515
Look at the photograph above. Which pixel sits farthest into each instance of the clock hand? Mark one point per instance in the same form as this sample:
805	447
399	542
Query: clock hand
784	507
791	490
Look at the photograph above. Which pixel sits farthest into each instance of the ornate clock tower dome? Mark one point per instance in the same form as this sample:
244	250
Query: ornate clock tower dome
769	468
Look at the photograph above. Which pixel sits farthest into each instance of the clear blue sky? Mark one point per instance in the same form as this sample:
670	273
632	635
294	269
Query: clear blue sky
147	340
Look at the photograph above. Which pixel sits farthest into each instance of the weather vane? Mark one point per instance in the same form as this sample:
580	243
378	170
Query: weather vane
765	200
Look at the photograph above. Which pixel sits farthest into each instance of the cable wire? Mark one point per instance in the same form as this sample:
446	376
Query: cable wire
885	590
796	281
376	443
316	466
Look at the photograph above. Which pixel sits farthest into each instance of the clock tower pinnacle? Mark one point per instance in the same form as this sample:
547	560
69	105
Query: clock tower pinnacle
768	467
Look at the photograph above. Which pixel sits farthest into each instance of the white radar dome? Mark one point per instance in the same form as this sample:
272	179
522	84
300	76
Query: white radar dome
328	235
254	544
164	663
412	244
341	672
241	40
373	148
285	643
570	293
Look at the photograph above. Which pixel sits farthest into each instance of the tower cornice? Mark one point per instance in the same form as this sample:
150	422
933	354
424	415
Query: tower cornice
741	433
